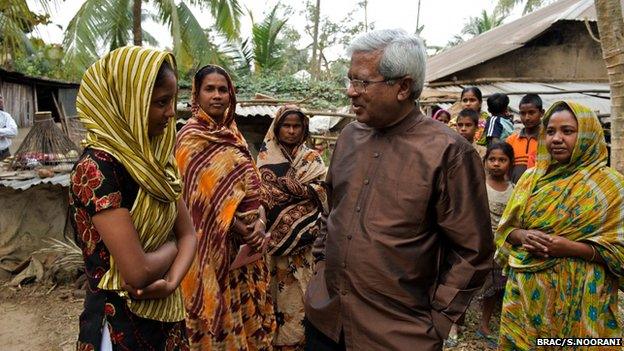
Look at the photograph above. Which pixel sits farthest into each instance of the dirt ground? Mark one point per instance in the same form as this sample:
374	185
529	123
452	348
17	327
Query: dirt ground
45	317
39	317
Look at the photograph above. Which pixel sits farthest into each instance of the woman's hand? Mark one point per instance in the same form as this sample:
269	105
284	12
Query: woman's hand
549	245
558	246
534	241
256	237
159	289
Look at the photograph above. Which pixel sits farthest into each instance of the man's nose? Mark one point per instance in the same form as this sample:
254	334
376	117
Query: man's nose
351	91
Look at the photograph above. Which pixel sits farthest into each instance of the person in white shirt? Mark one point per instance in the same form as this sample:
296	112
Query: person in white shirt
8	130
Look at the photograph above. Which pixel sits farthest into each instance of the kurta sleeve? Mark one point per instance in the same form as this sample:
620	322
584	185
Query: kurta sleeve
318	249
464	221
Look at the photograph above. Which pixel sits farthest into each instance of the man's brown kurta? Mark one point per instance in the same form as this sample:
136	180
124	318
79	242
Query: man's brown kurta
407	241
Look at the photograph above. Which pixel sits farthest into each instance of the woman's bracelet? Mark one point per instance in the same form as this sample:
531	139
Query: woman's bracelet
593	253
263	222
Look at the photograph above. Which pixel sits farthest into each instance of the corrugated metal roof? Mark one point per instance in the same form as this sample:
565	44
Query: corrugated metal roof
60	179
318	123
549	92
257	110
507	37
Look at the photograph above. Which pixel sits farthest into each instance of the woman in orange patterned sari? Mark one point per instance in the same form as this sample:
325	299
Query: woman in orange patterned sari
228	309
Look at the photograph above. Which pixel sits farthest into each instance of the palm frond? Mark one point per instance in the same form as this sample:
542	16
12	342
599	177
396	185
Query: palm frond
227	14
483	23
16	20
118	34
504	7
68	254
149	39
85	30
195	43
266	48
243	56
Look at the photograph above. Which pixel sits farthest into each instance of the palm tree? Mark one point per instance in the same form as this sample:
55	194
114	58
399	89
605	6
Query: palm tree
476	26
483	23
101	25
611	29
16	21
262	51
506	6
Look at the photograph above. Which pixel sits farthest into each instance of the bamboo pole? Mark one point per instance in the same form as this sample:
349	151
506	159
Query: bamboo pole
324	137
327	113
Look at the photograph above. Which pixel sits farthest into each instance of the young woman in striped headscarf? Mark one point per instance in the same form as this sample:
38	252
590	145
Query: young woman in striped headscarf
135	232
228	307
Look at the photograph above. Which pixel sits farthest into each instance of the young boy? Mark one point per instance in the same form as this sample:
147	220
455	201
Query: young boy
500	125
524	142
467	125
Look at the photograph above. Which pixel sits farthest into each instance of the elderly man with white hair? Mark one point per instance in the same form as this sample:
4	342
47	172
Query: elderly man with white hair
407	241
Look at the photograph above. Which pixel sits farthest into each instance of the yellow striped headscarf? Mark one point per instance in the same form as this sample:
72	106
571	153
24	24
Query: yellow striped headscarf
113	103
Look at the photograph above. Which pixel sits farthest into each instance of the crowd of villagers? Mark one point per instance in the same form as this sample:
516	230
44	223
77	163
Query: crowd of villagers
159	234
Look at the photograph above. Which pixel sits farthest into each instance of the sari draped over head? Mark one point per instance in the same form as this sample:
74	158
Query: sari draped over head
293	184
113	104
220	182
582	201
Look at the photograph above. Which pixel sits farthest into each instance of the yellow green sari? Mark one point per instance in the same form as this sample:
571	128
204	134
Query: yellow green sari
581	201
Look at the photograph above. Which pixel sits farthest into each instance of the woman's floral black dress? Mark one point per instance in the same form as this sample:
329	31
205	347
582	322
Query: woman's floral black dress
99	182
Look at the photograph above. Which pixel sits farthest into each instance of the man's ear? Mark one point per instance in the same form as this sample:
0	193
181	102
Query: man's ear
405	88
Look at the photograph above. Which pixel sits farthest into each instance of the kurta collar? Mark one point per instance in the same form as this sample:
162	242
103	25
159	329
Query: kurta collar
412	118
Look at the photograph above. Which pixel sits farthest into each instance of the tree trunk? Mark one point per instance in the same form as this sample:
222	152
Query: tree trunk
136	23
366	15
314	62
611	29
418	19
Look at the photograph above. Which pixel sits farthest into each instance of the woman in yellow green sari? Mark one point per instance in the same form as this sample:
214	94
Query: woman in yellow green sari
560	237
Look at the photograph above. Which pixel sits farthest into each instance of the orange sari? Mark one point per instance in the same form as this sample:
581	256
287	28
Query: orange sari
227	309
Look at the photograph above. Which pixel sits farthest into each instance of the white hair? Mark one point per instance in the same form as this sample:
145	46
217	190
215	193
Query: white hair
402	54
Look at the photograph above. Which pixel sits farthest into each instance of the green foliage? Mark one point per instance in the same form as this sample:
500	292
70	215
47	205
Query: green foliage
16	21
264	50
46	61
478	25
103	25
297	58
334	33
506	6
267	49
317	94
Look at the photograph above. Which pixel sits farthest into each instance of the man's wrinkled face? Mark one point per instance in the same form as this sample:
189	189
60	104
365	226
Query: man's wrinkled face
373	105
